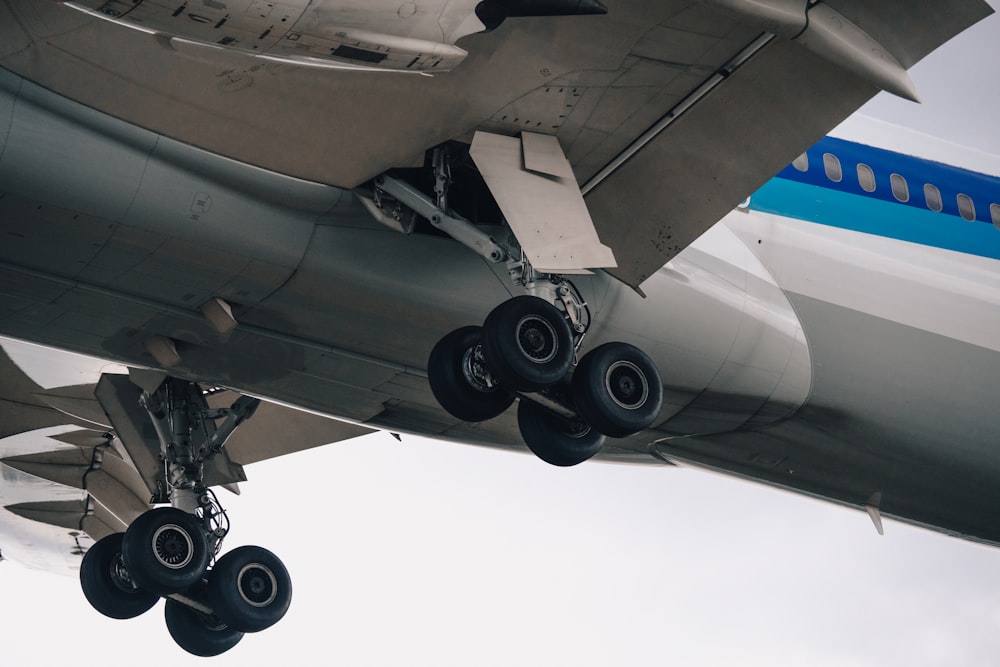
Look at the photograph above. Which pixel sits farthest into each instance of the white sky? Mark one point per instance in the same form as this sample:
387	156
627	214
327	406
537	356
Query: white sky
959	88
424	553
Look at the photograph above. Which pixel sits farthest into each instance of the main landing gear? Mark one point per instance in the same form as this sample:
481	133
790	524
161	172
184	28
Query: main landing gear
526	348
169	551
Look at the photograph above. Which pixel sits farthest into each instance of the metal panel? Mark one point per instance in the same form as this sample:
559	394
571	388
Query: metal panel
534	185
334	127
543	154
276	430
20	408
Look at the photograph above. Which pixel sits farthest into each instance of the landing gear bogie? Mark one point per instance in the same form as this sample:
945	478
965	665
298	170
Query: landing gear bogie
166	551
123	575
526	347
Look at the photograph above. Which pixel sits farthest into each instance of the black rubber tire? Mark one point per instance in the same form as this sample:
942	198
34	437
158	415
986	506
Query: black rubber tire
527	344
249	589
196	633
617	389
165	551
462	396
553	439
107	585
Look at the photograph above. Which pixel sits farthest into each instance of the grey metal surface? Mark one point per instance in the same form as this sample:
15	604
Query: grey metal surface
863	433
596	82
348	333
536	189
337	313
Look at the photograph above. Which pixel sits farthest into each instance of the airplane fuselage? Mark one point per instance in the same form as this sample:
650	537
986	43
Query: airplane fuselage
810	340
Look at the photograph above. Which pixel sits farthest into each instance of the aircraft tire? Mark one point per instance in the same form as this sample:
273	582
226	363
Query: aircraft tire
199	635
249	589
453	374
165	551
527	344
107	585
554	439
617	389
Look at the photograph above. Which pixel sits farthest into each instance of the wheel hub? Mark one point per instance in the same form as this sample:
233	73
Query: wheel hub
537	339
577	428
475	372
627	385
173	546
258	585
120	577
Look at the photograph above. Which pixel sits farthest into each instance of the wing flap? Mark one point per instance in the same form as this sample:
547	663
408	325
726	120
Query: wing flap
92	519
276	430
76	401
21	409
100	471
731	140
706	161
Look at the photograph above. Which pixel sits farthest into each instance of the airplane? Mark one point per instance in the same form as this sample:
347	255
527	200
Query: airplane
243	263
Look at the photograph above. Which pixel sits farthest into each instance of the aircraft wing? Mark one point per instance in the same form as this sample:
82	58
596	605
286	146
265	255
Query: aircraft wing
670	113
55	441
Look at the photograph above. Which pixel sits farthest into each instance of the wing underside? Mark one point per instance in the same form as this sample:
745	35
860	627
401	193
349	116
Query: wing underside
670	113
66	464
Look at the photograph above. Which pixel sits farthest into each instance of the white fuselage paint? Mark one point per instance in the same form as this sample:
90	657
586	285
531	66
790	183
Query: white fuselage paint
948	293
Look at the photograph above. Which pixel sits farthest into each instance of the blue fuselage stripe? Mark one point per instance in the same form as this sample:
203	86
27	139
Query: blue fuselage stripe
812	196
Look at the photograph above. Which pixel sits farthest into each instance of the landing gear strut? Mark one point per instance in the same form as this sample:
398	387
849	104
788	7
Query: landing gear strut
168	551
527	345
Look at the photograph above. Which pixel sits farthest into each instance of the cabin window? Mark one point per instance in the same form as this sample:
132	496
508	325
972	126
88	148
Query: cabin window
801	163
995	214
900	190
933	198
966	208
831	165
866	178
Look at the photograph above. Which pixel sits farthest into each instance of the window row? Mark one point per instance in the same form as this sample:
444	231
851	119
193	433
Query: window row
900	188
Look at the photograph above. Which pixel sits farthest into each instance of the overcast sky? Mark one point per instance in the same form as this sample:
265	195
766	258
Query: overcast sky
959	89
425	553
